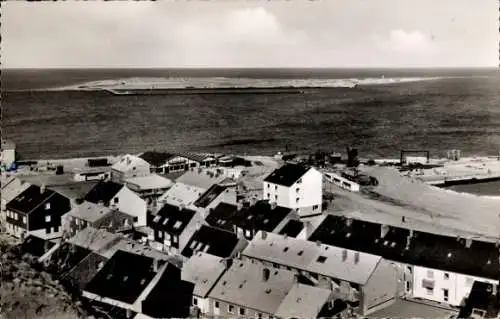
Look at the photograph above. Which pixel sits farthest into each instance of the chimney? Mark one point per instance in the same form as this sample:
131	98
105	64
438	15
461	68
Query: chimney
100	203
384	229
408	242
264	235
348	222
265	274
468	242
356	257
273	205
228	262
344	255
42	189
155	265
285	236
318	243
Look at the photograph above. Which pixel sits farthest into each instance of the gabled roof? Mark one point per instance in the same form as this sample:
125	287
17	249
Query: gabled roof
203	270
103	191
222	216
329	261
170	297
210	195
89	211
156	158
80	275
211	240
124	277
29	199
36	246
303	301
172	219
292	228
67	256
75	190
181	194
287	174
201	178
128	162
244	285
261	216
425	249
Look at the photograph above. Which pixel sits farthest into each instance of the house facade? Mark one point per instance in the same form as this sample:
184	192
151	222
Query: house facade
165	163
36	211
295	186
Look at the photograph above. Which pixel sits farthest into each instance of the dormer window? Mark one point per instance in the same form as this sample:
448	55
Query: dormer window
47	206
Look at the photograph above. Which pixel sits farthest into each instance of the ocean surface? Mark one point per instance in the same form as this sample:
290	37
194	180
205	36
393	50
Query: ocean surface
459	111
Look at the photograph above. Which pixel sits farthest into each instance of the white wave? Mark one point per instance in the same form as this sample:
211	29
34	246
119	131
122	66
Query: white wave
224	82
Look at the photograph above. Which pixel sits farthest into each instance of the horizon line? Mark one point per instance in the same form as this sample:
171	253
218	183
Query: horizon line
255	68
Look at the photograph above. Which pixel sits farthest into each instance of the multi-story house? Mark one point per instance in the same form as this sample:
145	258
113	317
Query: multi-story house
433	267
297	187
36	211
354	276
129	166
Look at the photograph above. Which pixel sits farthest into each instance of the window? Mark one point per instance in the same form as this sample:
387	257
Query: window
285	249
47	218
429	291
321	259
47	206
135	219
230	309
178	224
275	187
259	316
276	197
430	274
315	207
268	195
299	181
174	239
297	200
242	311
297	189
157	218
445	294
217	305
268	185
115	200
300	253
24	219
195	301
446	276
160	235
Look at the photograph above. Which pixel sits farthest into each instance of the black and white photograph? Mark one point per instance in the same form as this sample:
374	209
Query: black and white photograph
264	159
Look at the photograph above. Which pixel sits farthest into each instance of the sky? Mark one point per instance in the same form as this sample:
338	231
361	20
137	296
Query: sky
250	33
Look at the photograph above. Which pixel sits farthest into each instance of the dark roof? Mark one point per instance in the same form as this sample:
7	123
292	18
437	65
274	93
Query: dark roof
212	193
425	249
211	240
329	310
103	191
30	199
261	216
36	246
287	174
111	311
123	277
172	219
156	158
66	257
86	269
171	297
222	215
481	297
292	228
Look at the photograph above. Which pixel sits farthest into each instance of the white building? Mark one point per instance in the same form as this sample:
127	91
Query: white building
129	166
8	156
295	186
150	186
342	182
